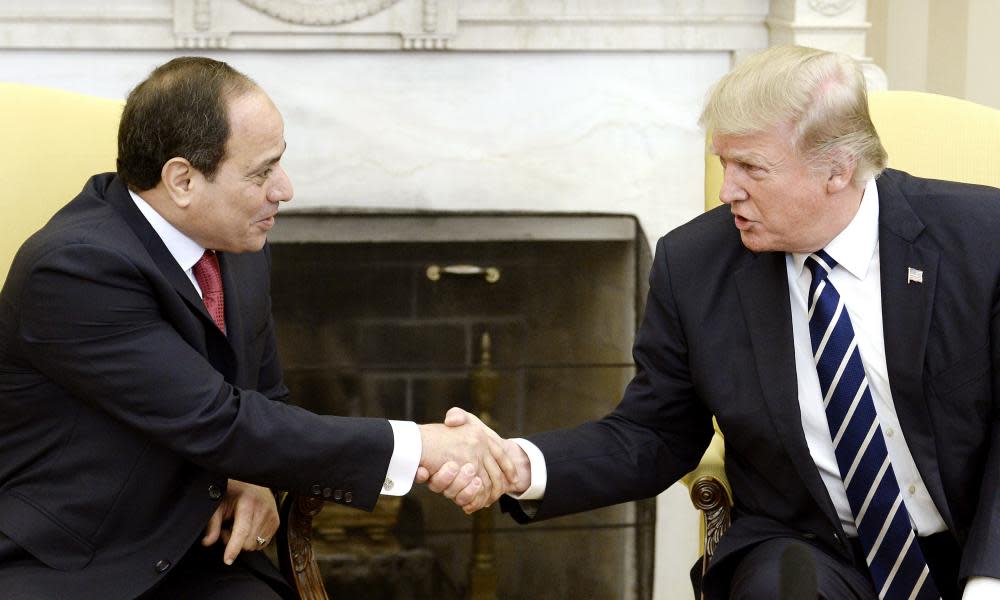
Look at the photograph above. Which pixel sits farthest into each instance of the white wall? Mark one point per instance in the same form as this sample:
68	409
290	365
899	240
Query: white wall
941	47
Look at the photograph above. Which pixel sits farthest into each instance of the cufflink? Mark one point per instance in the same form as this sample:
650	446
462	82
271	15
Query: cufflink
388	484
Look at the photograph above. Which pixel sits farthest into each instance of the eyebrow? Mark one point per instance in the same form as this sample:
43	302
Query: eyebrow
267	162
750	158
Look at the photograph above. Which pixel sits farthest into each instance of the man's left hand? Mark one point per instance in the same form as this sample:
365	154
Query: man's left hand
253	516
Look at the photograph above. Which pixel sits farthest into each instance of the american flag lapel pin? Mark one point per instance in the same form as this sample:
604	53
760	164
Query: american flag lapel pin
914	276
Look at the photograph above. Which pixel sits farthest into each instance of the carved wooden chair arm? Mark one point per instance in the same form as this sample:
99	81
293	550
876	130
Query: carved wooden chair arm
710	493
294	545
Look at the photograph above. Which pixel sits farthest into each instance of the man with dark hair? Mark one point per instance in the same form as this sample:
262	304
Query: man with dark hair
142	403
180	110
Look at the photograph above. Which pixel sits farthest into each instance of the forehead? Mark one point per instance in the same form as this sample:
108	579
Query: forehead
770	145
256	130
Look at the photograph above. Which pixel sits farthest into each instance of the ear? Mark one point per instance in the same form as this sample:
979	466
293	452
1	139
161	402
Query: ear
179	180
842	167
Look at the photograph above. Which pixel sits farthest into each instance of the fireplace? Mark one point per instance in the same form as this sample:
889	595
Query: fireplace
384	315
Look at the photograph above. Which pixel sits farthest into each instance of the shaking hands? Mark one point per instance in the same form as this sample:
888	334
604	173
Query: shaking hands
470	464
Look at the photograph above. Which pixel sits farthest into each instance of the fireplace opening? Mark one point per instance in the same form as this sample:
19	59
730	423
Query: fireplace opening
528	317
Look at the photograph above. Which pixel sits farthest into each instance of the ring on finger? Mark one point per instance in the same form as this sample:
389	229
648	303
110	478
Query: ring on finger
261	541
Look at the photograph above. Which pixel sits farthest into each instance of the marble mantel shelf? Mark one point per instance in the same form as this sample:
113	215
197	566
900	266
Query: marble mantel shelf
336	227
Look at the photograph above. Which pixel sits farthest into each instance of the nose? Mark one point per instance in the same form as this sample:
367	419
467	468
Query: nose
281	186
731	190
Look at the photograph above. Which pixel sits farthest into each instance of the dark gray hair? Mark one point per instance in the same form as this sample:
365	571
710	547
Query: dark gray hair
178	111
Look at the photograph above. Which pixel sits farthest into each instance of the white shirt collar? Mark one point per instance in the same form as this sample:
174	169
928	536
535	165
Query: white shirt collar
853	247
184	250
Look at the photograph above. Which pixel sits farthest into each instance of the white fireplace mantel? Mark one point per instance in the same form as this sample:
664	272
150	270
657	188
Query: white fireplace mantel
467	25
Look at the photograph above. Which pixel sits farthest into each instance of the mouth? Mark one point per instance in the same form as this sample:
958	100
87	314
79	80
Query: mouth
742	223
267	222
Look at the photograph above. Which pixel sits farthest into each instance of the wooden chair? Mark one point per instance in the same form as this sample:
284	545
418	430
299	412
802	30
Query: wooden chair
927	135
55	141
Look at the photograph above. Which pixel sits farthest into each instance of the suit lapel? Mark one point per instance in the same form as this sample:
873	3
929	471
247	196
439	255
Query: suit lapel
118	196
763	290
231	289
906	318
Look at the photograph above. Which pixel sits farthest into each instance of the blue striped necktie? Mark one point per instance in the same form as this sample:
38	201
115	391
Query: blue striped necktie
896	563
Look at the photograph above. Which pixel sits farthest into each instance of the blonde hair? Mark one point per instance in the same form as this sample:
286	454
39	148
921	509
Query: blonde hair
821	94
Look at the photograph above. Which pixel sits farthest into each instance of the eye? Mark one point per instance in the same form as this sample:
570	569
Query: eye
262	176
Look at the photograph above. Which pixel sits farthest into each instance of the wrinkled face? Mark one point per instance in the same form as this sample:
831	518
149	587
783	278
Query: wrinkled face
779	202
234	211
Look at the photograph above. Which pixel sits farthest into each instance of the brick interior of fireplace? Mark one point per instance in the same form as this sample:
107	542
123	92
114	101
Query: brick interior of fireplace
363	331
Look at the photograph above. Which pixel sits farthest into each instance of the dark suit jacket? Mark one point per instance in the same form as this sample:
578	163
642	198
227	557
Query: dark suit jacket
716	338
123	410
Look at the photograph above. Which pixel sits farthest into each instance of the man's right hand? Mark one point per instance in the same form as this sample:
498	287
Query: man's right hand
509	471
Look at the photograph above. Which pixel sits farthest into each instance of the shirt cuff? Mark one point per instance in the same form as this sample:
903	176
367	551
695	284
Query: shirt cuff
406	449
981	588
539	477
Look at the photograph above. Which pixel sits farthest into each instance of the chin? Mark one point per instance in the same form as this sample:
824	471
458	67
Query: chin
753	243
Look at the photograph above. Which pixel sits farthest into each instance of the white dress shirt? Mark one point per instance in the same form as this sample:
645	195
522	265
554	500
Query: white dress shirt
856	278
406	435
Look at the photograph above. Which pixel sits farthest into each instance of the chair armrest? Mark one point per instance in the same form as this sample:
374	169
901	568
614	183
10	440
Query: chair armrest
294	546
710	493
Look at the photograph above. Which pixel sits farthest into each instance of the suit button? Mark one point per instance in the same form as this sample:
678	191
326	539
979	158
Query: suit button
338	495
316	490
348	496
161	565
214	492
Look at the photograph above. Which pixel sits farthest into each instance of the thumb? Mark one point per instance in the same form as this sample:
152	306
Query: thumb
422	475
213	528
455	417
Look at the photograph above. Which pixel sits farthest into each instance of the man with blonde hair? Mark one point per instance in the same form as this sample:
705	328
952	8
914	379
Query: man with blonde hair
846	335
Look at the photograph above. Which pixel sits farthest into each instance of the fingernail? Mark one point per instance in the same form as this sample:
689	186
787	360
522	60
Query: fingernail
469	469
453	470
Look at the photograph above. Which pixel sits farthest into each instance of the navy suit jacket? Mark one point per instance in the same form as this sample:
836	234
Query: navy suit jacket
716	339
123	409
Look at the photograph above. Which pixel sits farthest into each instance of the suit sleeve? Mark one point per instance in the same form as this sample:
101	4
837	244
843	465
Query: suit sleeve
269	377
656	434
981	556
90	322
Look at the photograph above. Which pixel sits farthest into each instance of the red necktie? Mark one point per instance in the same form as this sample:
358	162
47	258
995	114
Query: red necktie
209	277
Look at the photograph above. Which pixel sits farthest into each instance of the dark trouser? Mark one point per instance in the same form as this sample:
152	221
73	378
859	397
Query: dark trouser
201	575
758	574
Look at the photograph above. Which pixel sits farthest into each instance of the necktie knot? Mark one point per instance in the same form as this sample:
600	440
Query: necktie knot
209	277
820	263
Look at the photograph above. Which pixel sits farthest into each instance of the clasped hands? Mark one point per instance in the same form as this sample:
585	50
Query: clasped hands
470	464
462	459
